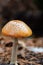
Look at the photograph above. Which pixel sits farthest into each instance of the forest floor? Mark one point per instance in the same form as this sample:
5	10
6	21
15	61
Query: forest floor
25	56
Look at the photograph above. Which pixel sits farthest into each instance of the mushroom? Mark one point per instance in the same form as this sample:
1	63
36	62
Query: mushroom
16	29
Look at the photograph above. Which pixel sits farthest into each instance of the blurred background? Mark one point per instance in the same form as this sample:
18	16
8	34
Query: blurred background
29	11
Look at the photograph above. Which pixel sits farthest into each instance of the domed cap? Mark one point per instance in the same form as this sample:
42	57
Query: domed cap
17	29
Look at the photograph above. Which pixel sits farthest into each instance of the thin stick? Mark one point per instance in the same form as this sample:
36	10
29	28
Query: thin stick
14	52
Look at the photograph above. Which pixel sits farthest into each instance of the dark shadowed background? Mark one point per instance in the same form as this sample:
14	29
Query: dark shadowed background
29	11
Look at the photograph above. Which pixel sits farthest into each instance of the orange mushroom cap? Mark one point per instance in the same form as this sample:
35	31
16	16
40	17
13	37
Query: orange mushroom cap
17	29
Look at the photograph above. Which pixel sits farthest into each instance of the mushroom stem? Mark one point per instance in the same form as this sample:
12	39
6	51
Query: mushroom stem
14	52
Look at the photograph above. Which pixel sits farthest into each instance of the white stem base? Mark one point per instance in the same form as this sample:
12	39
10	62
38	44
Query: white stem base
15	63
